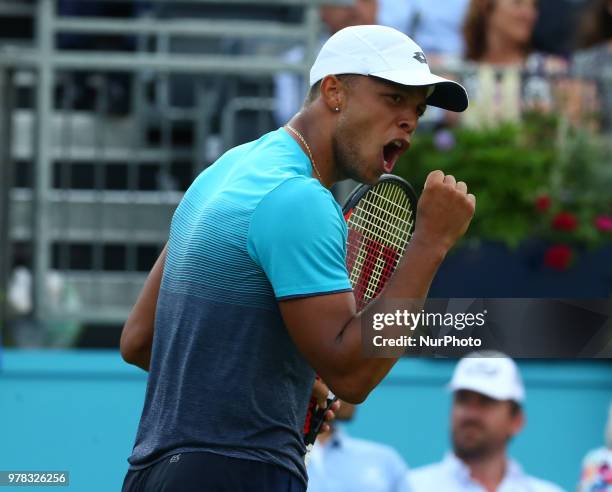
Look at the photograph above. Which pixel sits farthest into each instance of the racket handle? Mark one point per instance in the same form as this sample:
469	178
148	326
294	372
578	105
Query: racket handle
315	418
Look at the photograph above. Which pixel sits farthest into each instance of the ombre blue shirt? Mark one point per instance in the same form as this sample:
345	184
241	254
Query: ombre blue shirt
225	376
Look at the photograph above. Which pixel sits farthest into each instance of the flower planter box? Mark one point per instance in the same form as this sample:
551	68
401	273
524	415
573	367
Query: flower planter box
494	270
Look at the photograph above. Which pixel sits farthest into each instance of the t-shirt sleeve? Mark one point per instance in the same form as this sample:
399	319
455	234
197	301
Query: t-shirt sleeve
298	236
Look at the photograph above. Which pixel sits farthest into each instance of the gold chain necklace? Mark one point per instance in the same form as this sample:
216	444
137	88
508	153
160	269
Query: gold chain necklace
303	140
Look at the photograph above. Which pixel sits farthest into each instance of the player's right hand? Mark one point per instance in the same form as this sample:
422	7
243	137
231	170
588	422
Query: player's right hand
320	391
444	211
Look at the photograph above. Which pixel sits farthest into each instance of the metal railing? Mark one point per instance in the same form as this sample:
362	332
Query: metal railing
59	193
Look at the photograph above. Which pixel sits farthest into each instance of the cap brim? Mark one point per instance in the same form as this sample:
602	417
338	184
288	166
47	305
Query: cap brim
447	94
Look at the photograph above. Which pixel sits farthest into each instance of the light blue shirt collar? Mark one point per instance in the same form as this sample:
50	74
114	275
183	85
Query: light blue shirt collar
459	469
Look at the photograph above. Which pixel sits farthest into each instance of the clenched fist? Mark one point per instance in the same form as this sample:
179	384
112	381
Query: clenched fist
444	211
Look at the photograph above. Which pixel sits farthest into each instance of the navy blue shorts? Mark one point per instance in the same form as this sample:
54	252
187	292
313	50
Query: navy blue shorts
209	472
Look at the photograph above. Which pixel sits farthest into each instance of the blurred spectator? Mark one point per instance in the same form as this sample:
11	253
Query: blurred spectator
397	14
498	36
290	89
499	31
487	412
435	27
23	330
116	85
596	473
340	463
596	26
593	60
556	25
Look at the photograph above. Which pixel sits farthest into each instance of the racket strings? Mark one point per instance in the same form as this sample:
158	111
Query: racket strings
379	229
390	227
373	222
376	228
375	271
381	223
399	206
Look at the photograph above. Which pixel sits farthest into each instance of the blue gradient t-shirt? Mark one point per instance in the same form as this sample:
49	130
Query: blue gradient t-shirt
225	377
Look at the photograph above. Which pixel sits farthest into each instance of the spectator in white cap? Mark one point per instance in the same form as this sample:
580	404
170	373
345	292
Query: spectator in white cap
487	412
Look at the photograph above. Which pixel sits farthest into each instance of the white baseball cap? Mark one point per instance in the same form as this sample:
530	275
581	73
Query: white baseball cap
389	54
496	377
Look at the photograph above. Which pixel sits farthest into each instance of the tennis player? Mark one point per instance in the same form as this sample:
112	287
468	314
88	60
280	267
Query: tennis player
251	294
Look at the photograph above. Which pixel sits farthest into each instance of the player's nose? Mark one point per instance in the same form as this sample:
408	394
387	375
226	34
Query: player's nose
408	121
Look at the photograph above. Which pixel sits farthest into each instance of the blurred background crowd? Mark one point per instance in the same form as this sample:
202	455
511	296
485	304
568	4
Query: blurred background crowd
109	109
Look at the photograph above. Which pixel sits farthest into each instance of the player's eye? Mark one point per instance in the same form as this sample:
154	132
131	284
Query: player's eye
396	98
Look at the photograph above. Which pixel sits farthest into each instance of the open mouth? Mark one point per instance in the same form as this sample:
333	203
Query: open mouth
391	153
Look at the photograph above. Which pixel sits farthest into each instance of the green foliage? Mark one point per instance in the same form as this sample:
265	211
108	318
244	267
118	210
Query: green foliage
508	167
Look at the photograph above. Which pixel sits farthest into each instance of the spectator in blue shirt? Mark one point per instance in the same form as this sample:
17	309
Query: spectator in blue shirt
436	27
487	412
340	462
289	88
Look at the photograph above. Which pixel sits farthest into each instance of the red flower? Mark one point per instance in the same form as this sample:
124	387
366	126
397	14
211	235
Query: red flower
543	203
604	223
565	221
558	257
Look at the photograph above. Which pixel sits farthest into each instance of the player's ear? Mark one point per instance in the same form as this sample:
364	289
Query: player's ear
333	93
518	420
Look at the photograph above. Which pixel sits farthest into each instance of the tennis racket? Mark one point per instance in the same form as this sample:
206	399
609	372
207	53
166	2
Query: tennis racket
380	220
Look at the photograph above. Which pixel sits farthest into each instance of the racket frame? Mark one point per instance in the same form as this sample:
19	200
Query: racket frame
318	417
360	190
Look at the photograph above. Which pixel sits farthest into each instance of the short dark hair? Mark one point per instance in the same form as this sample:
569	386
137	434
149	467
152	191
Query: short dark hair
315	90
595	26
313	93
